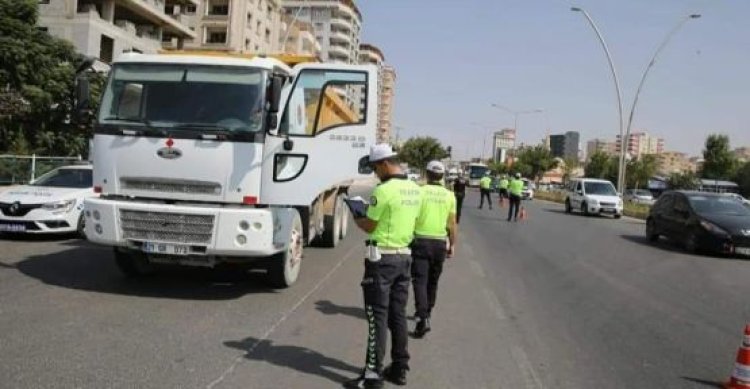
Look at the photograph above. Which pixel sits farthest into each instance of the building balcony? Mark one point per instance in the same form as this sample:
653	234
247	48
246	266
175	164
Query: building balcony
341	37
153	11
342	23
339	50
184	2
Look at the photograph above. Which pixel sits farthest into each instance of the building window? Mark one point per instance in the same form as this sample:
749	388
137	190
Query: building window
190	9
216	36
260	5
269	11
258	27
268	35
219	9
45	29
169	9
250	21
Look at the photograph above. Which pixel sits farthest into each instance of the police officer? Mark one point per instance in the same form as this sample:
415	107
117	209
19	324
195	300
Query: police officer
391	217
515	187
503	186
436	222
459	189
484	190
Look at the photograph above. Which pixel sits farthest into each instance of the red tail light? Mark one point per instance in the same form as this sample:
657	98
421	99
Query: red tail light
97	189
250	200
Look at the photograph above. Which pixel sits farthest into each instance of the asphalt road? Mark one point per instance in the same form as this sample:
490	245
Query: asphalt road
558	301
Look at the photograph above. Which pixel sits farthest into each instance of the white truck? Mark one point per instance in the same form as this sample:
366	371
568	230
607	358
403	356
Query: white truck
201	160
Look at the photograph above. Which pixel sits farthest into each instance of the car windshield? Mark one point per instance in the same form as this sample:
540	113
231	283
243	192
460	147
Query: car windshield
66	178
718	205
477	171
185	97
600	188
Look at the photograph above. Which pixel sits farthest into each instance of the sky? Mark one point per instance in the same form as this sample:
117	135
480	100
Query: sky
455	58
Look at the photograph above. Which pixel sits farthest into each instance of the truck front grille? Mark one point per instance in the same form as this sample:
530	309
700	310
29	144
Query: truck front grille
171	185
166	227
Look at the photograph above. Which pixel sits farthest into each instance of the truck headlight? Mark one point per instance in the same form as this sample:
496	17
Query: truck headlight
64	206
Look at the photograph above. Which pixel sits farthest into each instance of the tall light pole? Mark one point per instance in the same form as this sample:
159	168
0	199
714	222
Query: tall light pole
517	113
612	68
651	63
484	137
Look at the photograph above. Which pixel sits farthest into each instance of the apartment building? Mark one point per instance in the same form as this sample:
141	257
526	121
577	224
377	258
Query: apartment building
240	26
337	25
370	54
298	37
600	146
674	162
566	146
106	28
641	143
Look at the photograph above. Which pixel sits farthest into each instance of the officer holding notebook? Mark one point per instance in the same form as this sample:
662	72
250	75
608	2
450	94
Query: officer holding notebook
390	221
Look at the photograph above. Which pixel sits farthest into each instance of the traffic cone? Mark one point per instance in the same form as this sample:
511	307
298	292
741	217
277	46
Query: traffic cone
523	213
741	375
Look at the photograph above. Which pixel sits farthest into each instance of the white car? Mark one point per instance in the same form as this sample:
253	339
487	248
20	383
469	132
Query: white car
51	204
528	190
593	197
639	196
739	198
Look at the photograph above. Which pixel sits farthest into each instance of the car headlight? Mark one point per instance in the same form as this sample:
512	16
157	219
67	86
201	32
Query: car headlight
713	228
592	202
60	206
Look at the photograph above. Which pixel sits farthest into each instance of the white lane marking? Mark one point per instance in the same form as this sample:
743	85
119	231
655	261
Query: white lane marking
281	320
531	378
497	309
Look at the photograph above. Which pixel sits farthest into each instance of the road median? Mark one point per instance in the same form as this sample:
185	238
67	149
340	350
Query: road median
636	211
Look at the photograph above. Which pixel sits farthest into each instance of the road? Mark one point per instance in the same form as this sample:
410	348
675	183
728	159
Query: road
558	301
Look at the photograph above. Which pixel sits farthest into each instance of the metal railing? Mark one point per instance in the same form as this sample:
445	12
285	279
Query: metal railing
22	169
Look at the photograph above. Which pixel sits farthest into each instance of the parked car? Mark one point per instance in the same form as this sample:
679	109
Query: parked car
51	204
701	221
593	197
639	196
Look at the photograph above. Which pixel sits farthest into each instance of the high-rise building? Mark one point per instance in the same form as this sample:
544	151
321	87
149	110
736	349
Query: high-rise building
600	146
641	143
369	54
241	26
337	25
106	28
298	38
503	141
673	162
566	146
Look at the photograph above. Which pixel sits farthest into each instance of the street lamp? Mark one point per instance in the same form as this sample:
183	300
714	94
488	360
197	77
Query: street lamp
486	135
612	68
517	113
651	63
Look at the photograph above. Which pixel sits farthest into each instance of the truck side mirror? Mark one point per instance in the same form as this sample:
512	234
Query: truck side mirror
274	100
364	165
83	96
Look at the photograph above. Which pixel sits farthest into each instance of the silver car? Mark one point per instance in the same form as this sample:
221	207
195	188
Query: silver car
638	196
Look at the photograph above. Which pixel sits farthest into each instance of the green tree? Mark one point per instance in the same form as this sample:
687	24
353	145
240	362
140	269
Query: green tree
742	178
600	166
36	73
641	170
685	181
719	161
417	152
534	162
569	165
498	168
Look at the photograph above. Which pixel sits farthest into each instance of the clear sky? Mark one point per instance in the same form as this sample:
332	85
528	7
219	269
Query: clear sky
454	58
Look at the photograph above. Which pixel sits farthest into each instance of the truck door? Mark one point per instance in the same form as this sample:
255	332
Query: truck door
326	128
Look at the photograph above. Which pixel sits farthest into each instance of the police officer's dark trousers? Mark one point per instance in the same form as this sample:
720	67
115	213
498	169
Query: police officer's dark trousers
429	256
459	205
485	193
386	292
515	207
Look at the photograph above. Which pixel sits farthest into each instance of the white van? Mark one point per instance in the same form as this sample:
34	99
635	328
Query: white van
593	197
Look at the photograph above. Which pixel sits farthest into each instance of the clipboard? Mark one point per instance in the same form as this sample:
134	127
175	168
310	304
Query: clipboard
357	206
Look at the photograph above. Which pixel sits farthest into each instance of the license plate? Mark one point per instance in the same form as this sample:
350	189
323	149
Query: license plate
742	251
609	210
165	248
12	228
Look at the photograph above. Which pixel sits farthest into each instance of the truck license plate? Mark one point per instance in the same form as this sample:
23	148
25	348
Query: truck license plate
12	227
165	248
742	251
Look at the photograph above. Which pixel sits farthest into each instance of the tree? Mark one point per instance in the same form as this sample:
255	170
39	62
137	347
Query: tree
719	162
534	161
685	181
569	165
36	76
742	178
600	166
498	168
641	170
417	152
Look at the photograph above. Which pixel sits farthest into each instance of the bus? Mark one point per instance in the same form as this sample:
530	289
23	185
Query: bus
475	171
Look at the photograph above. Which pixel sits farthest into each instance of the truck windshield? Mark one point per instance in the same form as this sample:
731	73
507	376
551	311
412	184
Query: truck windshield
179	96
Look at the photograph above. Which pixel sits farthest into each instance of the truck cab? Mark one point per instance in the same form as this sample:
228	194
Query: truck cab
201	160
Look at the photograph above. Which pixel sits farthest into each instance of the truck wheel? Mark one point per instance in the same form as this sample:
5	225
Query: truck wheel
133	264
344	218
585	209
284	267
568	207
332	225
81	228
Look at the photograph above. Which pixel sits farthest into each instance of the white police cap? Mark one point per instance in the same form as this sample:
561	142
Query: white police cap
436	167
381	151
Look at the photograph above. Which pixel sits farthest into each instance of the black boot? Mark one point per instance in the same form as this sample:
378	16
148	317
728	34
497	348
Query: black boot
364	383
396	374
423	327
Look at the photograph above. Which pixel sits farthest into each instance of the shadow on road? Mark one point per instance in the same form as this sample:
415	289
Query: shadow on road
4	236
298	358
90	268
710	384
329	308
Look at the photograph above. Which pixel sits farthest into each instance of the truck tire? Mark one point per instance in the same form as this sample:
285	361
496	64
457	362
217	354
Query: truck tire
81	227
344	218
133	264
284	267
332	224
